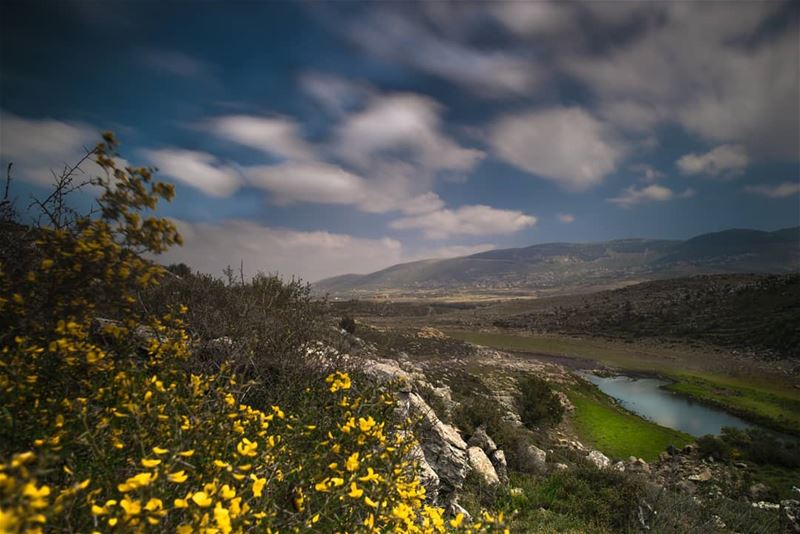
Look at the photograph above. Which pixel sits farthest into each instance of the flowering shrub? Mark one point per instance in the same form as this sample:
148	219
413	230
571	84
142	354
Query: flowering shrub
107	425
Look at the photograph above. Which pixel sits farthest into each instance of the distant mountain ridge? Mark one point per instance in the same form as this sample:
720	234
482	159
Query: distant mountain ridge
556	267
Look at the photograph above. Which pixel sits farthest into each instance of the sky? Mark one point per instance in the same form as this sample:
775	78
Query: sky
313	139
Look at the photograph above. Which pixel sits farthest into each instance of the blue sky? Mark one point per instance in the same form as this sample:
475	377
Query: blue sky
314	139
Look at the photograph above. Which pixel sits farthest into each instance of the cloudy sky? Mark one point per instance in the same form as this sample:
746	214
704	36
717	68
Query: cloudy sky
316	139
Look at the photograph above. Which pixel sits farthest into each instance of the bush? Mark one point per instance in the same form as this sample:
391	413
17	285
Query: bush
114	424
348	324
538	405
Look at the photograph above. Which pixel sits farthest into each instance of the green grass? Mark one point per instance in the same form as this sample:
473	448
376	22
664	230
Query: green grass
617	432
774	411
765	400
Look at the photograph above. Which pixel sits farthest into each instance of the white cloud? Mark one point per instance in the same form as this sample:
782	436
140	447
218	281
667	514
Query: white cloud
424	203
277	136
648	173
406	124
210	247
692	66
566	218
466	220
37	146
197	169
566	145
308	182
652	193
724	160
784	190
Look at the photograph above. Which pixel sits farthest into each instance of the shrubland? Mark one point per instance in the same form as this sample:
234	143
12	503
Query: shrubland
140	399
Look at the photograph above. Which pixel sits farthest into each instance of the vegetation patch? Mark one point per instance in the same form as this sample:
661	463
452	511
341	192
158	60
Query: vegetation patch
617	432
768	409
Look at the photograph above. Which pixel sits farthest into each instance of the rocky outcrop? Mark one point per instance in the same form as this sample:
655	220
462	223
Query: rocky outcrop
532	458
598	459
482	466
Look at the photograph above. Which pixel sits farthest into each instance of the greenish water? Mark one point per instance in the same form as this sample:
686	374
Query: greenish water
646	398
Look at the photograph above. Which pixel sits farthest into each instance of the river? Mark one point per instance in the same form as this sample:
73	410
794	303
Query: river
646	398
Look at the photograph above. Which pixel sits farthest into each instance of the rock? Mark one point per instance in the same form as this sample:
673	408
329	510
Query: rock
690	448
427	476
453	509
703	476
664	456
442	445
531	458
561	467
740	465
500	464
482	466
791	510
759	492
764	505
672	450
481	439
619	466
598	459
638	465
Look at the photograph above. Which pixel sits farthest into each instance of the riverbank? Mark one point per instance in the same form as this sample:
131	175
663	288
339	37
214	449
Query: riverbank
749	390
601	422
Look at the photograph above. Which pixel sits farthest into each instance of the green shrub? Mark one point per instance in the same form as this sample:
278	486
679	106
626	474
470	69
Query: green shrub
538	404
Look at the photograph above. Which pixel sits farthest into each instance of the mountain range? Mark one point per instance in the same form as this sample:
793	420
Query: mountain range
578	267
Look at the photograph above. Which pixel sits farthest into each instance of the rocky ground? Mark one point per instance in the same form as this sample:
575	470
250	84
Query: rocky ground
449	456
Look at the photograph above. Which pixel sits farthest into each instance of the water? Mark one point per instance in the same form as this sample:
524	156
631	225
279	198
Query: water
644	397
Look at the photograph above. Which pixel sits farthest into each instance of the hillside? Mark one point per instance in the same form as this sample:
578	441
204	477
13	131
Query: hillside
580	267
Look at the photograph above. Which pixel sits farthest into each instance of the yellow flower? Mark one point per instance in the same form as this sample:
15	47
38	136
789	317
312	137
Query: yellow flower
181	503
352	462
247	447
202	499
371	476
186	454
227	492
223	519
47	264
258	485
365	425
154	505
150	463
457	520
159	450
132	507
355	492
178	477
369	502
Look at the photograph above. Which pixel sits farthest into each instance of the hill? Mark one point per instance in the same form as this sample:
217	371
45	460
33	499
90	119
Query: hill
579	267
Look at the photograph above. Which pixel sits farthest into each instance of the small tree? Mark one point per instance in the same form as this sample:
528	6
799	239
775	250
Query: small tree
538	404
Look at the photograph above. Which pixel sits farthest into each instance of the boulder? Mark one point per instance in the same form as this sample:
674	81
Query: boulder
598	459
481	439
531	458
498	459
759	492
704	475
482	466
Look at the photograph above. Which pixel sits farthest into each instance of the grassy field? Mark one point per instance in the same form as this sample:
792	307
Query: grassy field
767	400
617	432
